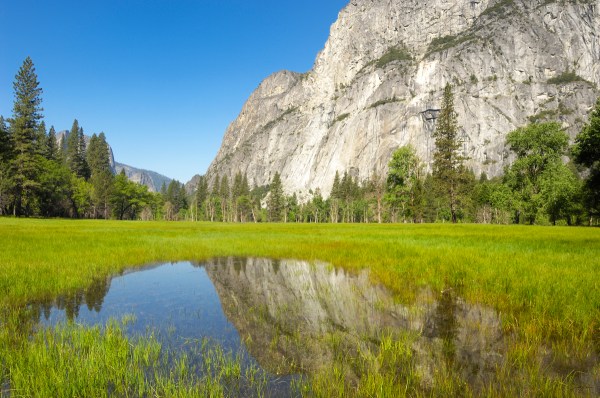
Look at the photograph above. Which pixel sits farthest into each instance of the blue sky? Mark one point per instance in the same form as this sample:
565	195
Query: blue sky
162	79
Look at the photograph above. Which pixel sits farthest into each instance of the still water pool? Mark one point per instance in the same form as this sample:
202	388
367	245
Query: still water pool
288	318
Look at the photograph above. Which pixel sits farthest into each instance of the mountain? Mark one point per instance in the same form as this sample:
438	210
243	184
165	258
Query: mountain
378	84
151	179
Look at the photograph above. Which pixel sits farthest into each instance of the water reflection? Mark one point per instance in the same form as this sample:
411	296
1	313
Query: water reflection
92	298
290	316
284	310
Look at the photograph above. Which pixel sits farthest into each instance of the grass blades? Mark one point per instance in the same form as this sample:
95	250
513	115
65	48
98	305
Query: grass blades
542	281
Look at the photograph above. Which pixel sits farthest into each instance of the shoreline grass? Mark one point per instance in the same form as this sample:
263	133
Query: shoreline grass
542	280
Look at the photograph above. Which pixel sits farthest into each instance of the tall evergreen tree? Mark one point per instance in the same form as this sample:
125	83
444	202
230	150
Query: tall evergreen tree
201	196
5	156
335	197
240	197
52	151
214	203
101	177
75	151
98	154
448	169
84	168
225	195
57	190
175	199
4	141
27	113
275	202
41	139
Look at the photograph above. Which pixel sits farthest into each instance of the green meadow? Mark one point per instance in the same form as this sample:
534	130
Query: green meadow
544	282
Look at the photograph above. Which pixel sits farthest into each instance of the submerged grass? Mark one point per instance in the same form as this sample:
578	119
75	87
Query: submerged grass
543	282
75	361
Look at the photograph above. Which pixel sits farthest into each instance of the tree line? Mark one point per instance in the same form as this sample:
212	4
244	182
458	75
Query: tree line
537	188
44	175
69	176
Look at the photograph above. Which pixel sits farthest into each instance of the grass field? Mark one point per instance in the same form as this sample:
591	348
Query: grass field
543	281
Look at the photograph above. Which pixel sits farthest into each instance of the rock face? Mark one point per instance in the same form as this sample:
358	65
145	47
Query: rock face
151	179
386	63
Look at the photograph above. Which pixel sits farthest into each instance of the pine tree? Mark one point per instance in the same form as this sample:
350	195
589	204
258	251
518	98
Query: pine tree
27	113
275	202
40	139
201	195
335	197
84	169
225	195
214	204
76	152
448	169
101	177
4	141
98	154
52	151
5	156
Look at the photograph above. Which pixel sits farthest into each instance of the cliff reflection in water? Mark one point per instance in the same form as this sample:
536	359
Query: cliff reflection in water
291	316
289	312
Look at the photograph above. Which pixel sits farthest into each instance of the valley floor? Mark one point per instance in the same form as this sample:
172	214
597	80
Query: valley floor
543	281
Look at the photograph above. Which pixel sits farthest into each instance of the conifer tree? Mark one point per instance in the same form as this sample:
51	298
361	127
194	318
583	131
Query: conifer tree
335	198
275	202
5	155
27	114
224	194
75	152
40	139
83	170
214	204
101	177
448	169
98	154
4	140
52	152
201	195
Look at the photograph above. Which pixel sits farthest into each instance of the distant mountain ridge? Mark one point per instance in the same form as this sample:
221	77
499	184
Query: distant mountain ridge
151	179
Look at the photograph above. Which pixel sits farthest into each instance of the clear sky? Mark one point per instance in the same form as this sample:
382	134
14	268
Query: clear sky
162	79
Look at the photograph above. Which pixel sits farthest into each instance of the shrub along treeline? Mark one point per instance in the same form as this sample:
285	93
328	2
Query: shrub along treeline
41	175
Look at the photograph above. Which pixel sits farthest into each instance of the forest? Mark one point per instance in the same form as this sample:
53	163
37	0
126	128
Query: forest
550	181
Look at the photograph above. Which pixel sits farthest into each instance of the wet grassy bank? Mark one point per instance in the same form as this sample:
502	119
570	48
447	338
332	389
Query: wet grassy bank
542	281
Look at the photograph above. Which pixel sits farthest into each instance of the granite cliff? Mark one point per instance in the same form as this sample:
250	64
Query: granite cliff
378	81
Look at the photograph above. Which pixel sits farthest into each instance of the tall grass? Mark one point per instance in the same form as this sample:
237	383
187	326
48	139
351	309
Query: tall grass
75	361
543	282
